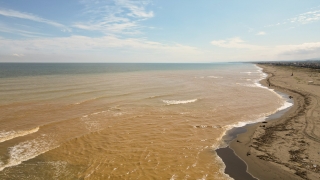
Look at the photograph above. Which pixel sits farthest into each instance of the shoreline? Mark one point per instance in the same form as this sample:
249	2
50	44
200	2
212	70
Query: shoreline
236	168
287	147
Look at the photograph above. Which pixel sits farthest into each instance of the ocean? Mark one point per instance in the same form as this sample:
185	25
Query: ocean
125	121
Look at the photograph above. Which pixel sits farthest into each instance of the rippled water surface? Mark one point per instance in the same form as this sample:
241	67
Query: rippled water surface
124	121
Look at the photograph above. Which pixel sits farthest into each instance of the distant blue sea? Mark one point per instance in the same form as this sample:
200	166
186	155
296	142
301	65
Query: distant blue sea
37	69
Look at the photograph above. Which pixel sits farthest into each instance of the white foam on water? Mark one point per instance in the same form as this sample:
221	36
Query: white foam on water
258	84
8	135
247	84
204	177
95	113
60	168
155	96
151	97
173	177
238	124
174	102
93	122
219	142
262	117
118	114
28	150
221	170
77	103
249	72
285	104
215	77
260	71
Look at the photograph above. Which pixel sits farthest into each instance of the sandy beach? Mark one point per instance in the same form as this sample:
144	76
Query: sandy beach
287	147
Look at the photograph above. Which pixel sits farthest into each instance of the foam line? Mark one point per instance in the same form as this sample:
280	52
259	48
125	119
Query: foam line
285	105
8	135
171	102
27	150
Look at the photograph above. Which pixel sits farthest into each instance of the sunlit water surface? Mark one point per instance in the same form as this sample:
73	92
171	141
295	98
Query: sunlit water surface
124	121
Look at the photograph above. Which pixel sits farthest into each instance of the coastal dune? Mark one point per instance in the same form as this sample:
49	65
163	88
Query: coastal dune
287	147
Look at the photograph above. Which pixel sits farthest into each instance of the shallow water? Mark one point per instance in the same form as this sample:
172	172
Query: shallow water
124	121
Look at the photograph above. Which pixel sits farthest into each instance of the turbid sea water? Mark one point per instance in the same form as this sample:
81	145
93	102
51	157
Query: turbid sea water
124	121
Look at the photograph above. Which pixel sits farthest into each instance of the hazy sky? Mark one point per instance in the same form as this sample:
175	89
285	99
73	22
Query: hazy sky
158	30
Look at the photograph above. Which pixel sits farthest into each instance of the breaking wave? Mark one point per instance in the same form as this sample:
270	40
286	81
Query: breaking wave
173	102
8	135
28	150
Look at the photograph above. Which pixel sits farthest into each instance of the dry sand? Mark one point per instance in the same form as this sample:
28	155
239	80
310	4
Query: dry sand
287	147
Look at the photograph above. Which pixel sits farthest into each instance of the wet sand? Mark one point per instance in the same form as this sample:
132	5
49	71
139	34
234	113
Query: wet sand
235	166
287	147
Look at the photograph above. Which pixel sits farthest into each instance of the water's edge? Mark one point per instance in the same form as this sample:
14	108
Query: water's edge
235	167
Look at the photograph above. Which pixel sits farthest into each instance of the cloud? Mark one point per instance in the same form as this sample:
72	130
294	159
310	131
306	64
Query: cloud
107	17
303	18
307	50
31	17
88	46
115	17
261	33
136	8
109	28
306	18
12	30
236	43
17	55
115	49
